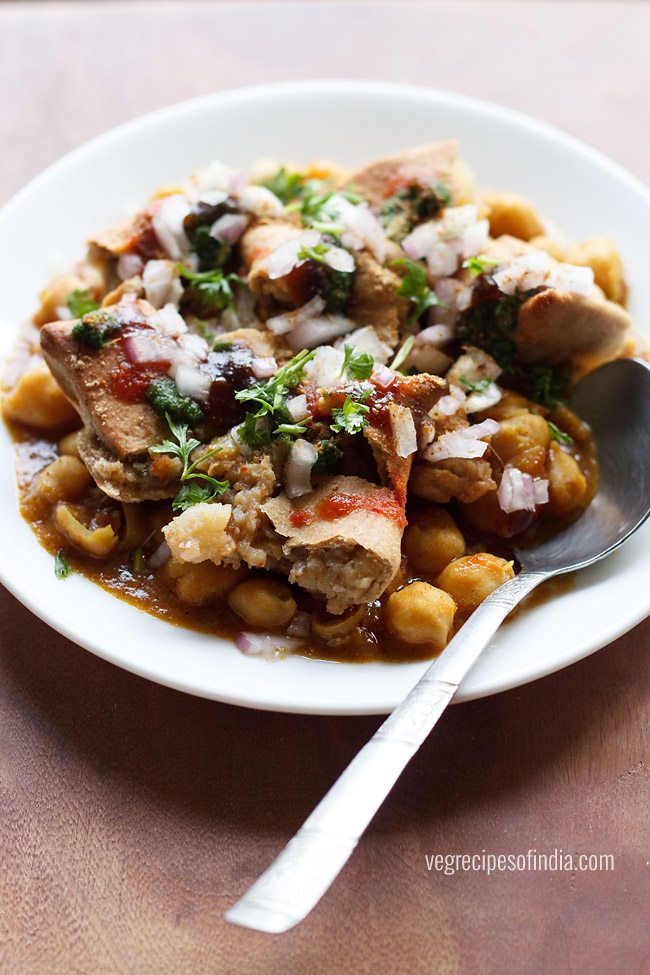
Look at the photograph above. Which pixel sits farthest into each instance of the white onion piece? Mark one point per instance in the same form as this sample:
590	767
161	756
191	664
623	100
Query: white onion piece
297	470
214	197
215	177
406	441
229	227
521	492
450	404
264	367
269	646
146	345
538	270
194	348
129	266
160	556
237	182
361	226
319	331
444	242
325	370
167	222
300	625
488	397
169	321
281	324
260	201
436	335
162	285
475	366
192	382
383	377
284	258
63	313
297	407
366	340
465	443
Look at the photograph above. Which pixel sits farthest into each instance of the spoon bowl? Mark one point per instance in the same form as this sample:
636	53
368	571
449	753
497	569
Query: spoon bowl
615	401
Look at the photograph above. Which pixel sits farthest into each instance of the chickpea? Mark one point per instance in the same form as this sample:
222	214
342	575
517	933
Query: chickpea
471	579
420	613
69	445
196	583
330	627
65	479
600	254
523	440
432	540
567	485
266	603
38	401
510	213
96	542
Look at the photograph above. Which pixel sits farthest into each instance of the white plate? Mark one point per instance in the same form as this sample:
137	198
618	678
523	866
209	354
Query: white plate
43	228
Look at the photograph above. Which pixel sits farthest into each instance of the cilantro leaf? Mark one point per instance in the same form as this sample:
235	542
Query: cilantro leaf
62	568
414	286
358	365
210	291
316	252
286	186
270	397
479	265
81	302
190	493
352	416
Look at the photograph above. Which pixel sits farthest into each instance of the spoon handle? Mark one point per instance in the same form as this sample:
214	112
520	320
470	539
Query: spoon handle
295	882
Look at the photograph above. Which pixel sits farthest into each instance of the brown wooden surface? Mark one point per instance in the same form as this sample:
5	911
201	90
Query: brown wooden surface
131	816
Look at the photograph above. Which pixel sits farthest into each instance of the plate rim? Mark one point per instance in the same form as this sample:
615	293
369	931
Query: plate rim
325	87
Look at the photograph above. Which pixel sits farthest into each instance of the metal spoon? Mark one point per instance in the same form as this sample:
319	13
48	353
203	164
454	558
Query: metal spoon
615	401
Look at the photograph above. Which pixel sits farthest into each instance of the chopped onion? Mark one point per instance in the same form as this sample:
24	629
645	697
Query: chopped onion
284	258
264	367
169	321
167	222
192	382
296	407
237	182
361	226
300	625
162	285
406	441
521	492
269	646
444	242
297	470
538	270
325	370
450	404
148	345
488	397
160	556
366	340
260	201
281	324
129	266
436	335
465	443
214	197
229	227
474	365
383	376
319	331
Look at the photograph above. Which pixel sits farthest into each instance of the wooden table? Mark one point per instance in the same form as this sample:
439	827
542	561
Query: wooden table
132	815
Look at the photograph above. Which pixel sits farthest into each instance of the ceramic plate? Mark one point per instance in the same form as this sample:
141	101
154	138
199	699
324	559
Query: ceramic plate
44	227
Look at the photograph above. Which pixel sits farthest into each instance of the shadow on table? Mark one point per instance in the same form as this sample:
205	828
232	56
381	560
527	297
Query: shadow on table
265	771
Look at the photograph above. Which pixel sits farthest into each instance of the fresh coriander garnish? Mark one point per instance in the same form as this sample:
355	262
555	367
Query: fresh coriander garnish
271	417
353	415
137	559
403	353
479	265
317	207
62	568
221	345
190	493
211	289
81	302
358	365
546	386
557	434
286	186
166	400
478	387
414	286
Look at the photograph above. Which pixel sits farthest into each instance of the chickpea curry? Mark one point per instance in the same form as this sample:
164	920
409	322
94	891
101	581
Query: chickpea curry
310	410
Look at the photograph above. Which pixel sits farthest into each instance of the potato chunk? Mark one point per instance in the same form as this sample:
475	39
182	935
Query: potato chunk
510	213
65	479
199	534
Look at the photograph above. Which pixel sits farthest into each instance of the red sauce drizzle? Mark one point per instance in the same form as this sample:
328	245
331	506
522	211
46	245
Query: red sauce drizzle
301	517
383	502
